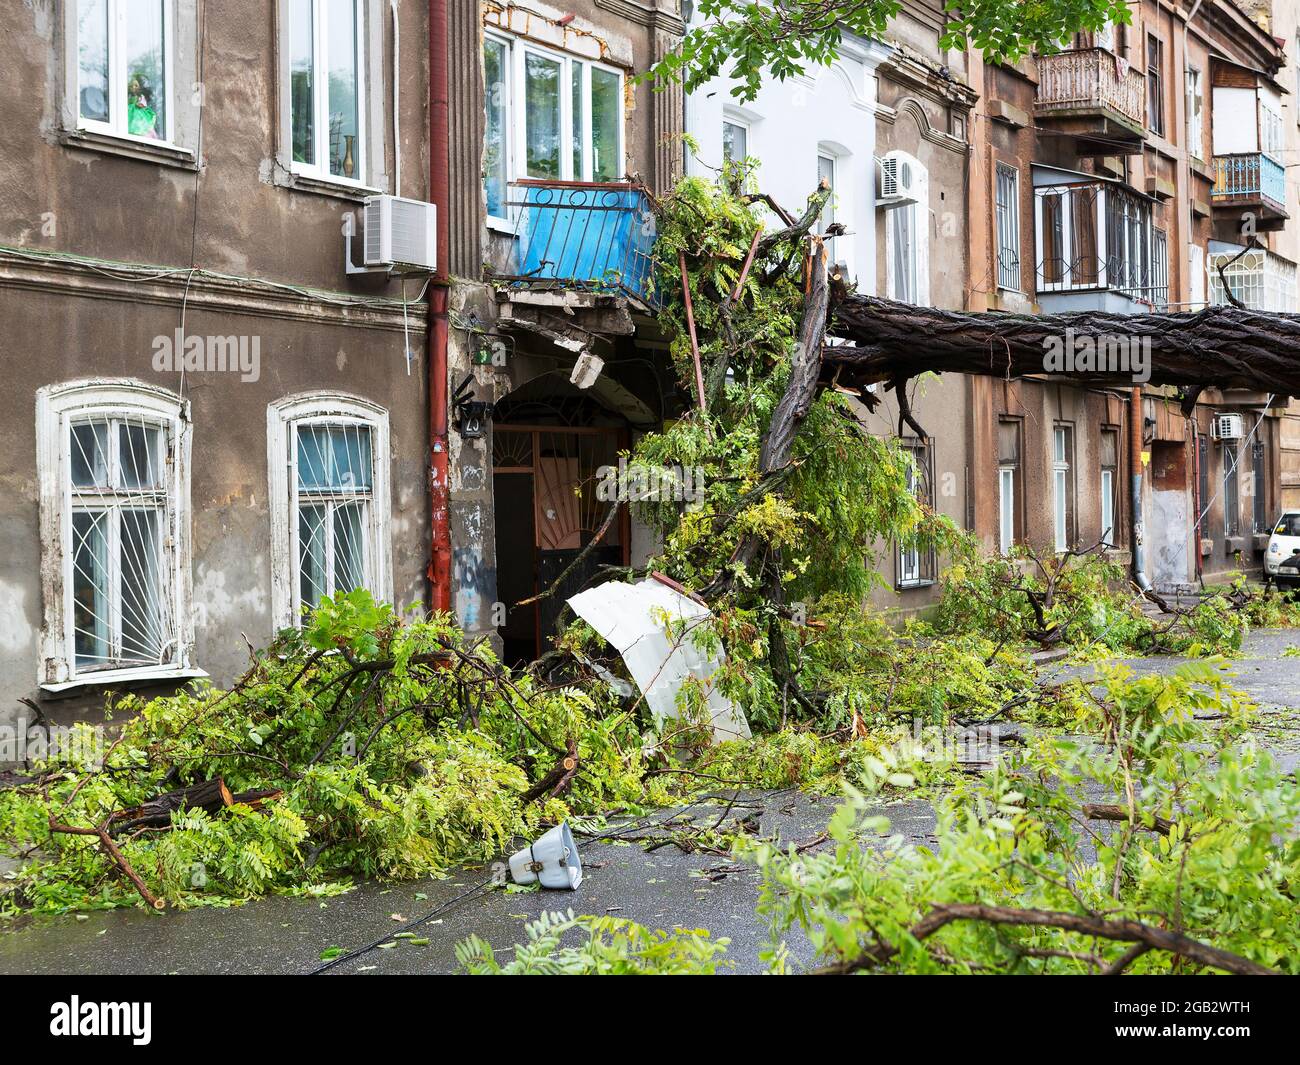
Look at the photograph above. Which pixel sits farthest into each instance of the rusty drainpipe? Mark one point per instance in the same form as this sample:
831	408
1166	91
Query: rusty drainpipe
439	291
1135	467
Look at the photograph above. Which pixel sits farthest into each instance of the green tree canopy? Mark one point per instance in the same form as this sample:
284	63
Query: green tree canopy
753	41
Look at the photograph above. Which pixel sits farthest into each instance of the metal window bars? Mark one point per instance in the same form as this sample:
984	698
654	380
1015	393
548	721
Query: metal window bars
333	488
1100	237
594	236
121	538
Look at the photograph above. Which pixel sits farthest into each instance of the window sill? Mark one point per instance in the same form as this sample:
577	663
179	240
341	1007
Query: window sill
146	151
924	582
340	189
502	226
143	675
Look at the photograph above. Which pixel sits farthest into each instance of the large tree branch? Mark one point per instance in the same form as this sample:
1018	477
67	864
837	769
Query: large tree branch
1118	929
1221	347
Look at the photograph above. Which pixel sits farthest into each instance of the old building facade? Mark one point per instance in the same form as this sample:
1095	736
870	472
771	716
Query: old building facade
208	420
1118	175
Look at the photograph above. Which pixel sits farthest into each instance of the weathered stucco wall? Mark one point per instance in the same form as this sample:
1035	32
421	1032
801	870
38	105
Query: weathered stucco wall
236	212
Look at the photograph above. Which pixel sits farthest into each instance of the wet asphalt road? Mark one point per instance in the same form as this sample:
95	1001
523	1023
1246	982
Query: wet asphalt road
662	888
286	935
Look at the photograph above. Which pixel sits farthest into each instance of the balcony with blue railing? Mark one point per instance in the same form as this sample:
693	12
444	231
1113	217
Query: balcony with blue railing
1250	180
581	235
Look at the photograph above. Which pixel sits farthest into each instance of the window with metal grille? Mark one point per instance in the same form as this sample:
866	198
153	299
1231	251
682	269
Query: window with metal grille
1259	469
115	530
1231	502
1008	226
328	457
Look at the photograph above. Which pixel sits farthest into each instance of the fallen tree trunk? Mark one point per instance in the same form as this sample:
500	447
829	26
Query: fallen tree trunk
1220	347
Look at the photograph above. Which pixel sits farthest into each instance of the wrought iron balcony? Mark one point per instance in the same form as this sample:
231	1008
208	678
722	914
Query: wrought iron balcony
1250	179
594	236
1090	91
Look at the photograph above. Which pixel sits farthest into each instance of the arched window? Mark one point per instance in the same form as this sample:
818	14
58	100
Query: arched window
113	463
330	501
905	195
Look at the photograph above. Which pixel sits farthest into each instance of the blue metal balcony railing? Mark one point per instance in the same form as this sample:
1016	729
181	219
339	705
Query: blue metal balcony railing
1249	176
596	236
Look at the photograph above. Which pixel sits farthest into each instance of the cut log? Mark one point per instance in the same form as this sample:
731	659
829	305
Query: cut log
1218	347
210	795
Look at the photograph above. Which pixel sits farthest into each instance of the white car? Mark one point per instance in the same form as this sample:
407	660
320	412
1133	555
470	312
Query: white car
1282	559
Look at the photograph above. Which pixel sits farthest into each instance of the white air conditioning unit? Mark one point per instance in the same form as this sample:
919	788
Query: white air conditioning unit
401	233
897	182
1226	427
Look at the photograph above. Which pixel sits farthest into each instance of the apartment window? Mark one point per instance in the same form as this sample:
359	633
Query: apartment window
1109	447
1158	291
550	116
735	141
326	98
907	232
1008	226
1063	486
1008	483
1155	84
916	565
124	67
1270	131
1097	236
1261	280
1195	114
496	138
113	465
1231	500
1202	481
328	456
1262	523
826	173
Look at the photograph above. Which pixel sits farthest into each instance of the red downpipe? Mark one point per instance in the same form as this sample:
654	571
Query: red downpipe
439	185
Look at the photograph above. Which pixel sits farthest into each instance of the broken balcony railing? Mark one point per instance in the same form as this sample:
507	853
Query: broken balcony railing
596	236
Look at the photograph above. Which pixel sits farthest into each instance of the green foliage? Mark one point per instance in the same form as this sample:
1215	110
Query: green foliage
1084	602
1206	845
754	43
398	751
613	946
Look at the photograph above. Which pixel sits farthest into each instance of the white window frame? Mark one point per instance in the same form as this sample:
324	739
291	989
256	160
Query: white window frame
919	213
745	127
839	205
57	408
910	558
1108	506
283	418
1061	486
515	117
1006	509
319	168
1195	113
116	126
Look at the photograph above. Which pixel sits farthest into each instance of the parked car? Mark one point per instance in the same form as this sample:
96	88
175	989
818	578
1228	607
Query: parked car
1282	559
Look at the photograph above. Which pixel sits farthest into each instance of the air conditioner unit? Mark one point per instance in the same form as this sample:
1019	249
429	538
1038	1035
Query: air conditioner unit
400	233
1226	427
897	182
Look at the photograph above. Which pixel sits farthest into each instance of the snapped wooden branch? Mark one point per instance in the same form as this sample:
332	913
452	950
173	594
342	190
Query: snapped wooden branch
1116	929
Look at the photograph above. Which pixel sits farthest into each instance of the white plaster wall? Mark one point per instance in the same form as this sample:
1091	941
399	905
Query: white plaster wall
790	123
